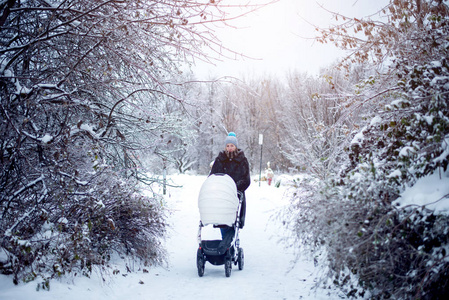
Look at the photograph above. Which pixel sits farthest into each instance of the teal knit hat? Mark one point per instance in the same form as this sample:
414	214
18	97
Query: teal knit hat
231	139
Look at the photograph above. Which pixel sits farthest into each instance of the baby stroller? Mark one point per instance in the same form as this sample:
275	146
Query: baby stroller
219	205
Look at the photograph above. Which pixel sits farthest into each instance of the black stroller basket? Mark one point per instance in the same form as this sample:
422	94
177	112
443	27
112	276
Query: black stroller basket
226	251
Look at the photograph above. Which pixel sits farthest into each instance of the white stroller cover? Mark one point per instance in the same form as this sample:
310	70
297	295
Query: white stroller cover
218	201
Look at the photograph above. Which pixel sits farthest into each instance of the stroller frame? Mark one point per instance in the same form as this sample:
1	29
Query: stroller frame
221	252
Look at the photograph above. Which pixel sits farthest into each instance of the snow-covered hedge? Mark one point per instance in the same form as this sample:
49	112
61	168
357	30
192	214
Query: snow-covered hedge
68	234
353	220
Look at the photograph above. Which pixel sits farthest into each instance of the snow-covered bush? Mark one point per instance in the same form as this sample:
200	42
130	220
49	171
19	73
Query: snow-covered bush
378	251
72	230
392	252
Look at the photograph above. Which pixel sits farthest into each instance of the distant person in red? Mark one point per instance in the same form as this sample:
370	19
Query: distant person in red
269	174
232	161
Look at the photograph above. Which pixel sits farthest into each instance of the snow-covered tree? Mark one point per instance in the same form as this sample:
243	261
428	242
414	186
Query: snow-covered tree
311	122
86	93
390	252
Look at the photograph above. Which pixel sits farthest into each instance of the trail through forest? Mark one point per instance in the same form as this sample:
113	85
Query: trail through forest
269	272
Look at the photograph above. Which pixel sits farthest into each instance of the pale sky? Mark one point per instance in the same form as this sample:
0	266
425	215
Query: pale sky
276	34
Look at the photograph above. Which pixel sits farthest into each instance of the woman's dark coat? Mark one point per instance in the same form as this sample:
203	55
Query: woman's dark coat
237	168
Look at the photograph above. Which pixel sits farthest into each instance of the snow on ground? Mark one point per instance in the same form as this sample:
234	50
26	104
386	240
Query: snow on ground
268	272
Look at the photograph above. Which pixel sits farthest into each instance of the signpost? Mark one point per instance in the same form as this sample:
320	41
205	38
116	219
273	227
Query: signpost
164	174
261	145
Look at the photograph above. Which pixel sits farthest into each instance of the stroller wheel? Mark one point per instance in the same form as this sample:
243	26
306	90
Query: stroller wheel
200	262
240	258
228	267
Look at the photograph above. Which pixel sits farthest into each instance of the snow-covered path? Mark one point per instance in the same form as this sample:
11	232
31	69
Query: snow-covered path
267	273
